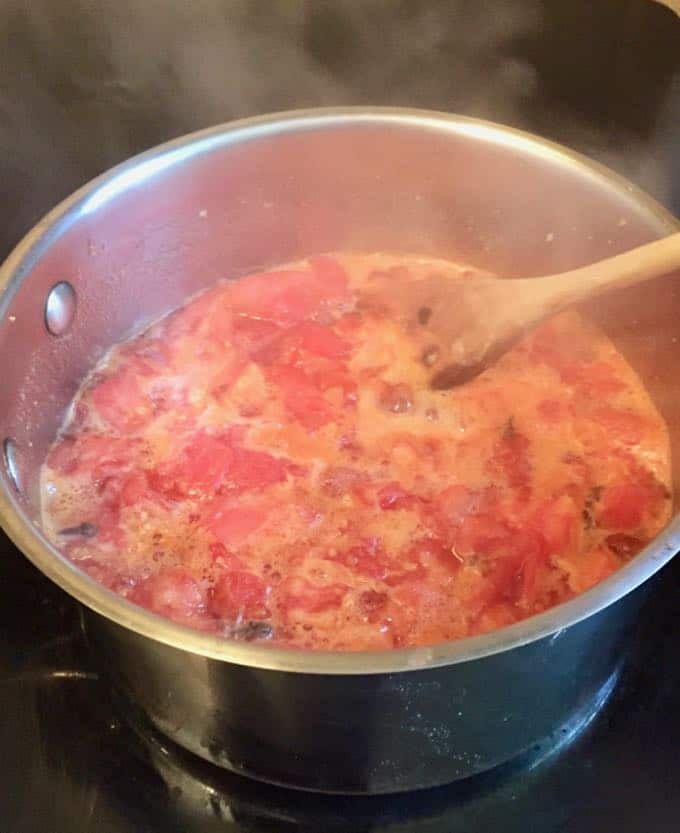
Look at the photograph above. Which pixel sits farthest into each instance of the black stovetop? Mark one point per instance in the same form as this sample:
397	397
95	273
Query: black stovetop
84	86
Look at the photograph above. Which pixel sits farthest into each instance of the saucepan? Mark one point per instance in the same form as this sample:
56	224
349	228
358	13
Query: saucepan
138	240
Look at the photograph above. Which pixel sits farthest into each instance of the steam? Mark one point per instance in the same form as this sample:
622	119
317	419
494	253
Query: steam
87	83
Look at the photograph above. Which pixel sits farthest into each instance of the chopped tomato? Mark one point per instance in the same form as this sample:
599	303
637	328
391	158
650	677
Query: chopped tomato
217	462
623	507
552	410
530	550
308	337
434	551
393	496
135	488
337	481
594	566
206	318
625	546
302	399
120	400
321	341
456	502
230	523
595	379
330	274
289	296
239	594
99	454
556	521
510	461
625	426
365	559
414	574
170	592
253	335
224	558
104	573
303	595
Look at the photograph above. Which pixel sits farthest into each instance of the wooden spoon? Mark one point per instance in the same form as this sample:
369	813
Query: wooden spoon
473	321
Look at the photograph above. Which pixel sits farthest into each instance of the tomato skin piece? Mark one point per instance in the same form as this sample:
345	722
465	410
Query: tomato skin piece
239	594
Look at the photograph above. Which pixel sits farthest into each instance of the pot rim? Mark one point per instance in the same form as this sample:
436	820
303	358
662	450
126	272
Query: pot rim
133	173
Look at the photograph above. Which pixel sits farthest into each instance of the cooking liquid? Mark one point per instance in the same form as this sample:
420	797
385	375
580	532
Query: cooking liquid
268	463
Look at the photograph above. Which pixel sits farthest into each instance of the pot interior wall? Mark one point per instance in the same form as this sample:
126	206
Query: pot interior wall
229	203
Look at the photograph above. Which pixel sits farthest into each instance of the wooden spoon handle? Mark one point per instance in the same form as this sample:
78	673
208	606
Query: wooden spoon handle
635	266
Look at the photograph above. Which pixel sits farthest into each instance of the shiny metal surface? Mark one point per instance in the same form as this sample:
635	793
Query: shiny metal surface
9	453
226	201
60	308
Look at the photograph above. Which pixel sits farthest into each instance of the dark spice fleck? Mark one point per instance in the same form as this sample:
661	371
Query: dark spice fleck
85	530
589	507
252	630
509	429
424	315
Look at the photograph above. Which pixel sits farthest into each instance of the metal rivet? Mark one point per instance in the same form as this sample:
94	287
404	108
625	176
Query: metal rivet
9	450
60	308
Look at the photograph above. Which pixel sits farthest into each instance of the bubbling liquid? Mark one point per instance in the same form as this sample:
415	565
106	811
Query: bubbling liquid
269	463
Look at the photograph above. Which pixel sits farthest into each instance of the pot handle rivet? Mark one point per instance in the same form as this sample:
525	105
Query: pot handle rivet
9	453
60	308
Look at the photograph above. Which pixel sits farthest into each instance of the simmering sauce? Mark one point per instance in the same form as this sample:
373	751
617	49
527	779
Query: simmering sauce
269	463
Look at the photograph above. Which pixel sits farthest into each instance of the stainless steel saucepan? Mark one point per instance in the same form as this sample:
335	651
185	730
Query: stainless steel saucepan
134	243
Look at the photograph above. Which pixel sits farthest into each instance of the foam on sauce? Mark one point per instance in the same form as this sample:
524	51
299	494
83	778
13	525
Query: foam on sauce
269	463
